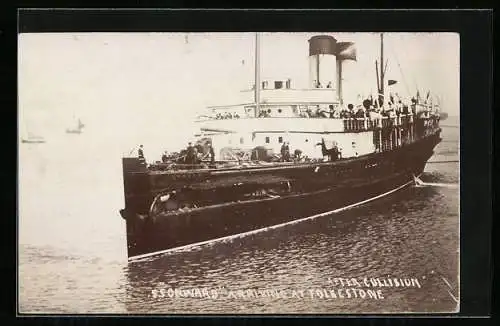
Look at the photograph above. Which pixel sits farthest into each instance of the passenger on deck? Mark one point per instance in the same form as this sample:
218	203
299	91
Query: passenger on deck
287	152
298	155
367	103
164	157
350	108
282	152
195	149
263	114
329	85
212	153
367	113
190	154
322	112
309	113
140	155
335	153
360	113
344	114
331	111
405	109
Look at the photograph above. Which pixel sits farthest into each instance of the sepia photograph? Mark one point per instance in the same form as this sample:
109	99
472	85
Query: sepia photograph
238	173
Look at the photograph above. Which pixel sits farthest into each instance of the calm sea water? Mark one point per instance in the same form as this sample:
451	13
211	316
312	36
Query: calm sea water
72	247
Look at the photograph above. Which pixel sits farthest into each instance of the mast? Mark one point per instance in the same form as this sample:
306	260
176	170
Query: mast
257	74
339	81
378	82
381	89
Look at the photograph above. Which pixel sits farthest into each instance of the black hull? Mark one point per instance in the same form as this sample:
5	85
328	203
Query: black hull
332	186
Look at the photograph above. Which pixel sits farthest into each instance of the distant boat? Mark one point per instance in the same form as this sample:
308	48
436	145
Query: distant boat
32	139
28	137
77	130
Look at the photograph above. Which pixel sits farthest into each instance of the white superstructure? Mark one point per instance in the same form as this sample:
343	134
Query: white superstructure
275	112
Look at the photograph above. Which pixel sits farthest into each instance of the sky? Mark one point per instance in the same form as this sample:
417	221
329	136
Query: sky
138	85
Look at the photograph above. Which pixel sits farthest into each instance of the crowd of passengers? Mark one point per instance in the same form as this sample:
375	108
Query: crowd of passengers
369	109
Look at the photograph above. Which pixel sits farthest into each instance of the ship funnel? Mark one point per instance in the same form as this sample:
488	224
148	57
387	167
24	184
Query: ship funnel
325	62
322	61
345	51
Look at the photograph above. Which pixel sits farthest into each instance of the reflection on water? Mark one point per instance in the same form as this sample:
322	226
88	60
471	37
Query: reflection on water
73	260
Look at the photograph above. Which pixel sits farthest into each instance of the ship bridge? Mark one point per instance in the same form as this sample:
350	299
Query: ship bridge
278	98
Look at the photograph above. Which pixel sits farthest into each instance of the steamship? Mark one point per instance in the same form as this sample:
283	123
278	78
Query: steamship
247	186
77	130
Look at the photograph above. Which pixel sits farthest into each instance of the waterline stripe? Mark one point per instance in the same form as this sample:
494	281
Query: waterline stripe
240	235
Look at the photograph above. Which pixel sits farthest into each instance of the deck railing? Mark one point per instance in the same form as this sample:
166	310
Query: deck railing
362	124
366	124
